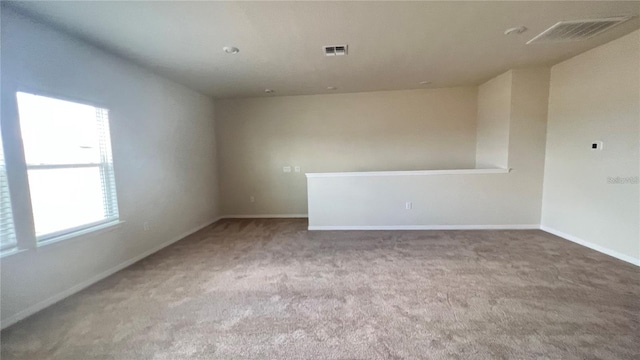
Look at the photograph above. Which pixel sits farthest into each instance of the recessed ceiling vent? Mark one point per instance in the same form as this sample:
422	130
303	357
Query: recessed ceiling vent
575	30
335	50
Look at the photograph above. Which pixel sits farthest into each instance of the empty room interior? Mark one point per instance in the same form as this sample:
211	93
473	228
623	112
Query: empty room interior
320	180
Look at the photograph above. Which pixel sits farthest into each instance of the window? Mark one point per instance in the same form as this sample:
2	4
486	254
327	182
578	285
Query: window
67	151
7	231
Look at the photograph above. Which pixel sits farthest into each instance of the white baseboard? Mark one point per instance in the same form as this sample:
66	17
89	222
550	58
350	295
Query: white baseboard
78	287
266	216
592	246
430	227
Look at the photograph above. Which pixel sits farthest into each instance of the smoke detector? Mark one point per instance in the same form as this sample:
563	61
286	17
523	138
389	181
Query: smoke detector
231	50
335	50
515	30
574	30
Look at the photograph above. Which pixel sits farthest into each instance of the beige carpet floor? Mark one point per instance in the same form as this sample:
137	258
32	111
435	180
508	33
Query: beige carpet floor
269	289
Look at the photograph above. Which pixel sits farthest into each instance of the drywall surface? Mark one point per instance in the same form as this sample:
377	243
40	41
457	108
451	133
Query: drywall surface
509	200
437	201
392	130
527	135
593	196
494	115
164	158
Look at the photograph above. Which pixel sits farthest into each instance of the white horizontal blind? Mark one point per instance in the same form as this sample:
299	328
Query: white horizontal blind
69	164
7	230
107	180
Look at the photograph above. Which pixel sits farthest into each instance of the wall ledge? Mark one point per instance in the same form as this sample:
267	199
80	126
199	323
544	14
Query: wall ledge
410	173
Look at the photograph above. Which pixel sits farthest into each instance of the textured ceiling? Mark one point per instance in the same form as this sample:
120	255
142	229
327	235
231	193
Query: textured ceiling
392	45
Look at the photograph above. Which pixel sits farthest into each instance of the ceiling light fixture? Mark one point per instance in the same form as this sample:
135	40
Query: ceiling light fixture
331	88
231	50
515	30
425	82
269	91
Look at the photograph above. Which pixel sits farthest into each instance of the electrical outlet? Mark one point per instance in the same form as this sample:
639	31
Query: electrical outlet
145	226
252	199
408	205
297	169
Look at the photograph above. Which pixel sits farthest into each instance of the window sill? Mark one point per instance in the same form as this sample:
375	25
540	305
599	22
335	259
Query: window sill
12	252
92	231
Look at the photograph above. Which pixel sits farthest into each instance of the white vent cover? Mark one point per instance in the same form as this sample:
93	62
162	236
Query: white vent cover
335	50
575	30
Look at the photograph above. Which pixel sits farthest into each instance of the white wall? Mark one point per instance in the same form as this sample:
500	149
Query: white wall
164	159
595	96
494	115
509	200
388	130
527	135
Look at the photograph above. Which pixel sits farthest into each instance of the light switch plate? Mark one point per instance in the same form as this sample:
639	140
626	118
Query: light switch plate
286	169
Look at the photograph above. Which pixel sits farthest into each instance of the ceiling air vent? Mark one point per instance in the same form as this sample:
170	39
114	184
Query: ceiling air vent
335	50
575	30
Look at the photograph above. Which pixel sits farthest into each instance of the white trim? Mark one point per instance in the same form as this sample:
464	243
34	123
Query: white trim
13	251
410	173
590	245
78	287
429	227
81	231
265	216
61	166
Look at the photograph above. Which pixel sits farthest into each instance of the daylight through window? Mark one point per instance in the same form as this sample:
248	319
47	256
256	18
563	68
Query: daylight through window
67	151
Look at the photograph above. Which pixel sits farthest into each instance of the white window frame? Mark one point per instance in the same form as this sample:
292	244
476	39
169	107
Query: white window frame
17	173
7	248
